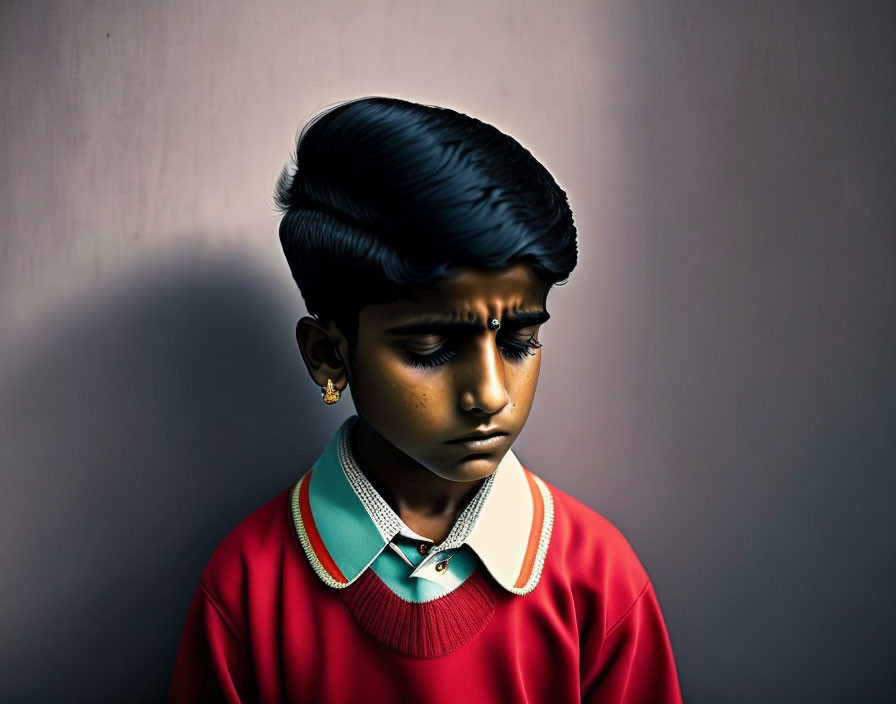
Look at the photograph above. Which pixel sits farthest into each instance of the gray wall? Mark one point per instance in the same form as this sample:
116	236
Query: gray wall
718	375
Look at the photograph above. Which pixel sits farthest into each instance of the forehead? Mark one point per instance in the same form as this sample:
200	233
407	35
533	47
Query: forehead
466	294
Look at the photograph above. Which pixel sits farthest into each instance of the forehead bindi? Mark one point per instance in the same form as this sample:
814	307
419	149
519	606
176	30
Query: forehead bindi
465	296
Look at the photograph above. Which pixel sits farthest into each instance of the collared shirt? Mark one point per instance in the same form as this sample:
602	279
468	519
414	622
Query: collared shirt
345	527
263	628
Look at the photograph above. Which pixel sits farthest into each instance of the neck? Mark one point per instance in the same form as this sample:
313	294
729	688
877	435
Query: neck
427	503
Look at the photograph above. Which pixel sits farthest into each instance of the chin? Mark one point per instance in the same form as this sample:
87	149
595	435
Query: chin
471	468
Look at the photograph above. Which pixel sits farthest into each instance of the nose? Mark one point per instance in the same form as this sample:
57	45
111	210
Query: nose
482	389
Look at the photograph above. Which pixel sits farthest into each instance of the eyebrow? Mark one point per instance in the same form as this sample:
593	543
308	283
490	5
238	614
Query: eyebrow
514	321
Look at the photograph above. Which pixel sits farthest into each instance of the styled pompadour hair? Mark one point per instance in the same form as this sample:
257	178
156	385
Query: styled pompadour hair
383	195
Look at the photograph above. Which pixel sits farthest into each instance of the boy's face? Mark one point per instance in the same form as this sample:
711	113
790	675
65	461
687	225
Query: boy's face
439	381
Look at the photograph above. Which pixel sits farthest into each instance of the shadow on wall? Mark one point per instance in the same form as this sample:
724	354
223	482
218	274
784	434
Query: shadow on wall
135	435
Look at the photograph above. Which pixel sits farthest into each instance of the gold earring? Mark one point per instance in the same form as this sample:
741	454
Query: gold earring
330	394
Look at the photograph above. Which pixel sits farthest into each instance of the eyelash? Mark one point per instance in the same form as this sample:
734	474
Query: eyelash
512	348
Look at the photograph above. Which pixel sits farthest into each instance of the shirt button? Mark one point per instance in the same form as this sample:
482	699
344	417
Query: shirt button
423	548
442	565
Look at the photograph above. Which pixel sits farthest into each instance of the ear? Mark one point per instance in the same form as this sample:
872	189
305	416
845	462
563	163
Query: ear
324	350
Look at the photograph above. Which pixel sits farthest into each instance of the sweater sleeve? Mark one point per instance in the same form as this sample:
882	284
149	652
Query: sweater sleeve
213	663
632	663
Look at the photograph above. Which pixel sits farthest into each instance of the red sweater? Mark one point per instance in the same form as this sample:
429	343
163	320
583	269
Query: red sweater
264	628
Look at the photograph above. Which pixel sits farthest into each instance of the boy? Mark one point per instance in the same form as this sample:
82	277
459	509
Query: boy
417	560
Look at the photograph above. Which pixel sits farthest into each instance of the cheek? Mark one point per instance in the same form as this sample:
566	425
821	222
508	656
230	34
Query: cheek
522	383
428	397
388	388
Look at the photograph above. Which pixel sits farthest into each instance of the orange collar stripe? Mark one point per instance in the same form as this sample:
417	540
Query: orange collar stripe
534	532
317	544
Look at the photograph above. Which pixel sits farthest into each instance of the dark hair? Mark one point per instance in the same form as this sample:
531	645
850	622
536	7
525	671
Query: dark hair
383	195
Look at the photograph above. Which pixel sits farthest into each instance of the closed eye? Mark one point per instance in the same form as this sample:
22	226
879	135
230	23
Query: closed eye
519	345
424	345
429	351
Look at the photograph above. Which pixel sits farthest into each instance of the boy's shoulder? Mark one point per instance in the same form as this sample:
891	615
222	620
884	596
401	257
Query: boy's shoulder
259	539
592	553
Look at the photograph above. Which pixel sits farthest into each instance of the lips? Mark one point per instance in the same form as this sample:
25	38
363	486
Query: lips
482	441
